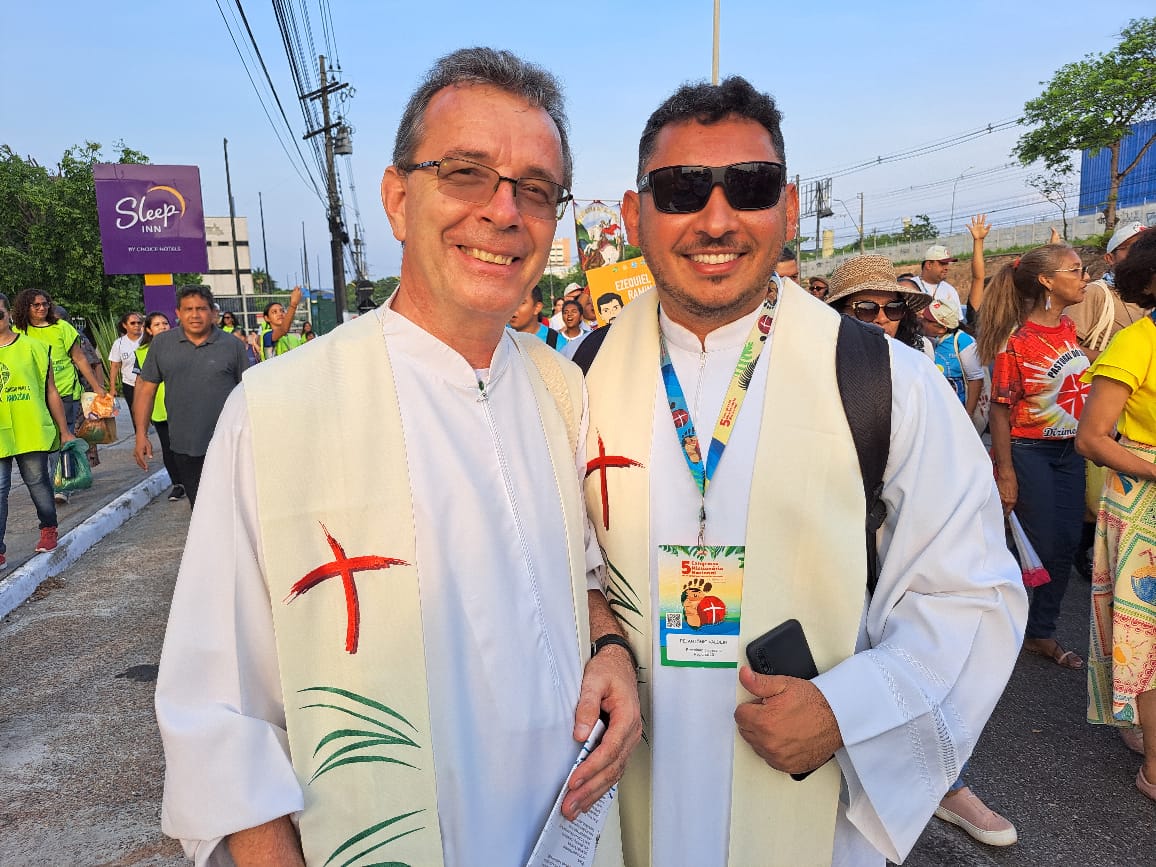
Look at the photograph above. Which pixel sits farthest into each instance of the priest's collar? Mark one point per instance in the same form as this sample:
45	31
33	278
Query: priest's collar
438	359
730	336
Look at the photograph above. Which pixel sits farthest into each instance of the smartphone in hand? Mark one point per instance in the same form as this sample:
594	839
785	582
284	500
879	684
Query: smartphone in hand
783	650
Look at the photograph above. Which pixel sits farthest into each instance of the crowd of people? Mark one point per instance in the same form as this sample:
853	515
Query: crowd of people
525	547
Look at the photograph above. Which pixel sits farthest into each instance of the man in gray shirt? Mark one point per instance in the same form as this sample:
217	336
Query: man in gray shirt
199	365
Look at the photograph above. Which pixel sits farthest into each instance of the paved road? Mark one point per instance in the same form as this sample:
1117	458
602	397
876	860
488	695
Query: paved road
81	768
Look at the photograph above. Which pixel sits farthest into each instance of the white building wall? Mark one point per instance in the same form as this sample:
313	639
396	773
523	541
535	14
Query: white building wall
218	238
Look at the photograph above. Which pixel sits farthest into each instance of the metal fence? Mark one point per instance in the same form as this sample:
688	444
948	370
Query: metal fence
248	309
999	238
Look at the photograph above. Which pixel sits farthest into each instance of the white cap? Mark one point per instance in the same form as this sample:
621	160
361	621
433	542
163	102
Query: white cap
938	253
1125	232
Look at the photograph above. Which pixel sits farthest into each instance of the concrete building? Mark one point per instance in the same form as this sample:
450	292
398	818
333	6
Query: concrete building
218	238
559	262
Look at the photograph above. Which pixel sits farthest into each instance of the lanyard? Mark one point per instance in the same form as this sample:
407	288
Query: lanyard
703	471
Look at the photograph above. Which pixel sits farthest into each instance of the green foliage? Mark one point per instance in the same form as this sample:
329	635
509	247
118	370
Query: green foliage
49	236
1092	103
264	284
384	288
104	332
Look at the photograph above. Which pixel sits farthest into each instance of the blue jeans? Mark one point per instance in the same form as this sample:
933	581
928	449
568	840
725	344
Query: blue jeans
1051	508
34	470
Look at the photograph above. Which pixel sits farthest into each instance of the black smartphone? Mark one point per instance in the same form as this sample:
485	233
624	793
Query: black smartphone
783	650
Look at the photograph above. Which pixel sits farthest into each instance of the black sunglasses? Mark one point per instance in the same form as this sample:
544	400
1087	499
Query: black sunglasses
752	186
866	311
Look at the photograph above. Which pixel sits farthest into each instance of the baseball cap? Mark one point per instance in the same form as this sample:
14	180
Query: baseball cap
937	253
1125	232
944	312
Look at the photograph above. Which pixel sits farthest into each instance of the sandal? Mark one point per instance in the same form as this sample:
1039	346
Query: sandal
1051	648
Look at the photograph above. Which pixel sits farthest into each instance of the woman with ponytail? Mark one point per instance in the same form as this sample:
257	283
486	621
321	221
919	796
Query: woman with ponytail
1036	400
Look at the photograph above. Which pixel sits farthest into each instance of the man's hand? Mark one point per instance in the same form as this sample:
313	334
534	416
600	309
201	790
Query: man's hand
66	437
1009	490
979	227
789	724
143	452
609	683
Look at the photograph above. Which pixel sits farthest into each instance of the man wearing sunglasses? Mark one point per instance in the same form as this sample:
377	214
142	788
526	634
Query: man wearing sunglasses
394	657
765	506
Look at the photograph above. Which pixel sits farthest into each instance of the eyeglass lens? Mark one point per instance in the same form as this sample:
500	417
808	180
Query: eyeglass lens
468	181
751	186
866	311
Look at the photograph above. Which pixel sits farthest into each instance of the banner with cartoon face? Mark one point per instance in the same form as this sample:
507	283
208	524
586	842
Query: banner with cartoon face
612	287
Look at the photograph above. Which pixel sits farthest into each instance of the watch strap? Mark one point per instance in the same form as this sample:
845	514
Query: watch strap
611	639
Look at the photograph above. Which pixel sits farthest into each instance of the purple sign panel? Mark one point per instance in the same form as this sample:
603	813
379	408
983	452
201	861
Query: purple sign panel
151	219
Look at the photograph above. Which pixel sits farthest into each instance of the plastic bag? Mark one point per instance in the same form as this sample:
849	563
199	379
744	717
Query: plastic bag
73	472
95	431
1033	569
93	405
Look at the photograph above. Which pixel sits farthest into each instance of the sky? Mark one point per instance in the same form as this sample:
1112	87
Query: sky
854	81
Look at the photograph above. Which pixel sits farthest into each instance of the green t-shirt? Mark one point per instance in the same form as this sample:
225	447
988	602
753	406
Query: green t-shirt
59	338
25	423
159	411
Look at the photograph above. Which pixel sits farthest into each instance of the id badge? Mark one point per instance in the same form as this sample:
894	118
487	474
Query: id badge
700	593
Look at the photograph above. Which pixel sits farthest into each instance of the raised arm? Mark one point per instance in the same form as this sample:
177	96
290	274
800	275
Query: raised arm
281	330
978	227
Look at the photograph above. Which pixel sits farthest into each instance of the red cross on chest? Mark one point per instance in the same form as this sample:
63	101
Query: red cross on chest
600	465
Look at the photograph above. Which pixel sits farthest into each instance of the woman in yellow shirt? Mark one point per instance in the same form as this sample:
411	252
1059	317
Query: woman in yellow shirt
1122	670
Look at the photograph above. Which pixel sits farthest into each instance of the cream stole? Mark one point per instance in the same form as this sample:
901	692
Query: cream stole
359	723
805	555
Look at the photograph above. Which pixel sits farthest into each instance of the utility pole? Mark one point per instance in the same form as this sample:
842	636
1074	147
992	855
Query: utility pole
264	243
861	224
714	55
336	231
233	234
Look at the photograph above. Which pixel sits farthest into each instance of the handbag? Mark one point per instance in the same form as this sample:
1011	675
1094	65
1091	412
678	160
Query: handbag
1034	573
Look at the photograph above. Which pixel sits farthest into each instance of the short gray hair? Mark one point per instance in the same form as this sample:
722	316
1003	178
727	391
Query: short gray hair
500	69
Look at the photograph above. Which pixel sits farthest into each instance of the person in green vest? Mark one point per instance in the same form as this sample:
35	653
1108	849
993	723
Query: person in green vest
228	322
33	314
275	336
32	425
157	323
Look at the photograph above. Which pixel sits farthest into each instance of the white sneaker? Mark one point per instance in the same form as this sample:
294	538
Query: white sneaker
60	497
964	808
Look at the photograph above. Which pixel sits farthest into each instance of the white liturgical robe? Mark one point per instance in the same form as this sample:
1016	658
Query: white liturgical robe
936	644
497	610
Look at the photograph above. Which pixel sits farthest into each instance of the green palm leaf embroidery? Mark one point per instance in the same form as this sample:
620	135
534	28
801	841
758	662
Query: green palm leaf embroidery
369	832
620	594
368	702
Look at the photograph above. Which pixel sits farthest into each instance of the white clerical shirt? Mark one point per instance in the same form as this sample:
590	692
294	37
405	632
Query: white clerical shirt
937	641
496	602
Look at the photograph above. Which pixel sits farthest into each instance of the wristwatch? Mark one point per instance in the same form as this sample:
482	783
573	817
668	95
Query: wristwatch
611	639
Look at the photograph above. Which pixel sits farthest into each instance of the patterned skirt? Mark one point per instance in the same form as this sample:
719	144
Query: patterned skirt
1122	648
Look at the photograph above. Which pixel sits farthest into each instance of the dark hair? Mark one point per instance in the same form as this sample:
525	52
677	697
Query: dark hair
270	306
196	289
122	323
788	255
147	337
910	332
4	301
708	104
1134	276
230	314
1014	292
607	297
570	302
536	294
21	308
500	69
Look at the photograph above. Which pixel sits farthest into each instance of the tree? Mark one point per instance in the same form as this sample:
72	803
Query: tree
263	284
919	229
1054	187
50	238
1091	104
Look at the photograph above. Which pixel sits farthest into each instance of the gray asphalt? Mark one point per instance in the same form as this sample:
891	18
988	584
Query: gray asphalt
81	767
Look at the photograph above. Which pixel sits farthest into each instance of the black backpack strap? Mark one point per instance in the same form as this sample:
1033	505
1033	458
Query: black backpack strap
587	350
863	369
551	338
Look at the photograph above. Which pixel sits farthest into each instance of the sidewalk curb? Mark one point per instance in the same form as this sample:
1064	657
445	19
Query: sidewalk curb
18	586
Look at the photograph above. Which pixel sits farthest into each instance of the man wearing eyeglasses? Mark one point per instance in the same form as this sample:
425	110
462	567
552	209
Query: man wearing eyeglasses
735	478
383	649
818	287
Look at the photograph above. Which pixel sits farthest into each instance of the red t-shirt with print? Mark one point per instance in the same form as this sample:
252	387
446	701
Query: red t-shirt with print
1037	375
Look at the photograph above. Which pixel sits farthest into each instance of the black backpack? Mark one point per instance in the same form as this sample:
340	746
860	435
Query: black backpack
863	370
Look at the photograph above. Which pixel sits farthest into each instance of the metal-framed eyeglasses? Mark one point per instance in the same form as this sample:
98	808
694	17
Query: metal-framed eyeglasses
468	181
1079	271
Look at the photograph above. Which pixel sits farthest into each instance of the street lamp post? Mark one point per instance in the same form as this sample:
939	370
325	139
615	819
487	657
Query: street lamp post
951	227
